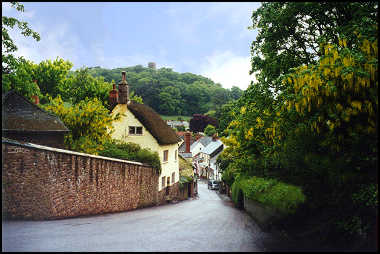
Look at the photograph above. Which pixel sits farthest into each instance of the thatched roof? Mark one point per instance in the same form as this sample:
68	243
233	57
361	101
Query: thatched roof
19	114
154	124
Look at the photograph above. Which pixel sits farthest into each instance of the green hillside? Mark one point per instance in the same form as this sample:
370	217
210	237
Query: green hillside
169	92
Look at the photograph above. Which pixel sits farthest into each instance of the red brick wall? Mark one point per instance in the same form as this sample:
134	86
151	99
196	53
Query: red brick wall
46	184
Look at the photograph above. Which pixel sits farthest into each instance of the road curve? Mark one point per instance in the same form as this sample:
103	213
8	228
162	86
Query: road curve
206	223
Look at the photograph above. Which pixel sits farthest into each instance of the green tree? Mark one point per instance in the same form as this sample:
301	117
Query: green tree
81	85
210	130
320	130
50	75
9	61
22	79
89	122
290	33
236	92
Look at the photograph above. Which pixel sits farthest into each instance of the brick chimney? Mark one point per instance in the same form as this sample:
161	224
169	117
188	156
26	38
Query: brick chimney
214	137
36	99
113	96
187	142
123	89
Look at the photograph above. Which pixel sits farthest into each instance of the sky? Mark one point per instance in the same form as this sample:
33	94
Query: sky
211	39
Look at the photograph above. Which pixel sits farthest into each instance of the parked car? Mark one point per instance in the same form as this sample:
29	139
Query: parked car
213	184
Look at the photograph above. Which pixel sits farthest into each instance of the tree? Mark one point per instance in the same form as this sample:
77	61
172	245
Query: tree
51	75
290	33
22	79
89	122
236	92
199	122
210	130
320	130
169	92
81	85
9	61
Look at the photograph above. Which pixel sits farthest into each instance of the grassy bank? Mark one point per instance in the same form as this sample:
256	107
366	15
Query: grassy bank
186	118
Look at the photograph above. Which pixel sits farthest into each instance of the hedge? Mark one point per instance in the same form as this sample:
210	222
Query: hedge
278	195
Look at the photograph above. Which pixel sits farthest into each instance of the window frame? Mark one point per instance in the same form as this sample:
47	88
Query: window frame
135	131
163	181
166	156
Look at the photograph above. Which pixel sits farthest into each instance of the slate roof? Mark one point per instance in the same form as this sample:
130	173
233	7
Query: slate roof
204	141
19	114
154	124
212	147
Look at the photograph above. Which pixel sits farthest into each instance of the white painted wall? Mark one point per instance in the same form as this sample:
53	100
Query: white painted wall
146	140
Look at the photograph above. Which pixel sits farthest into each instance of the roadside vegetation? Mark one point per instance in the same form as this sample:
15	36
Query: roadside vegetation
311	119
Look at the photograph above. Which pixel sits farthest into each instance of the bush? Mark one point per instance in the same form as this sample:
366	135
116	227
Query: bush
283	197
132	152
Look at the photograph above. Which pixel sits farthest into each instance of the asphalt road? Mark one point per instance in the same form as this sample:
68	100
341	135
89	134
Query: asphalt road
206	223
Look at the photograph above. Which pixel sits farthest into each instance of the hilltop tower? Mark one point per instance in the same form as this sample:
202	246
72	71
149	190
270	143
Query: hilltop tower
152	65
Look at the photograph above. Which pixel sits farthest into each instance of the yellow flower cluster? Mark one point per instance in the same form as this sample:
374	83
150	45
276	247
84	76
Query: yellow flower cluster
336	79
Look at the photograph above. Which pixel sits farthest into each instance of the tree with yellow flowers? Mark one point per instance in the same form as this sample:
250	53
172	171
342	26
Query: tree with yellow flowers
88	122
314	124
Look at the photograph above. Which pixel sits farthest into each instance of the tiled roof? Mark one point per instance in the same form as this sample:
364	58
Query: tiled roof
19	114
154	124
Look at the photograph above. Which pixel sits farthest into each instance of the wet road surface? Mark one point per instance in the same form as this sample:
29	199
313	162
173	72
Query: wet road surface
206	223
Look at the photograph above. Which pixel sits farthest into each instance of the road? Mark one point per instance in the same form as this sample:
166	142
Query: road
206	223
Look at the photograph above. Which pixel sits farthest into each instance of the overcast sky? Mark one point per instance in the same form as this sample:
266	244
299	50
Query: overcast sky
210	39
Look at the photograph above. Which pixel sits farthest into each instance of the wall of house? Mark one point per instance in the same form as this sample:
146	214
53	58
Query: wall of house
172	165
146	140
42	182
121	129
197	148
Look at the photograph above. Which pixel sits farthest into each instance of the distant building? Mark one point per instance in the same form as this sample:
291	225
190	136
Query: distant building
205	160
24	121
152	65
175	124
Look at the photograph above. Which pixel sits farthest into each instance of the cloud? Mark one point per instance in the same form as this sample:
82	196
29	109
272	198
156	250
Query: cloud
56	41
228	69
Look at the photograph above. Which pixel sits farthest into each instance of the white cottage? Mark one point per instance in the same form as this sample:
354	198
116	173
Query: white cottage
140	124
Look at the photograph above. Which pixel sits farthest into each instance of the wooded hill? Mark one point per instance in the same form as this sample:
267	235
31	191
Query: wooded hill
169	92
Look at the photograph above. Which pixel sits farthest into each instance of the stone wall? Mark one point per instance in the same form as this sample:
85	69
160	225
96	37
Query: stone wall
263	215
41	182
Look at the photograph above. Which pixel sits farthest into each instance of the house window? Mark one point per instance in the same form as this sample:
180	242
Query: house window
168	180
173	177
135	130
166	155
175	155
163	182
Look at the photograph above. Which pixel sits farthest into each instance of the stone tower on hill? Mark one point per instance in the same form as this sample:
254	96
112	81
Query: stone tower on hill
152	65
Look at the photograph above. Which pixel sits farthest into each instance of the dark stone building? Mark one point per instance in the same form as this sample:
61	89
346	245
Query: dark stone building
26	122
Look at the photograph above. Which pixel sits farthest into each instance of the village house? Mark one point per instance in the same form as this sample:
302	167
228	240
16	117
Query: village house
175	124
140	124
184	148
206	159
24	121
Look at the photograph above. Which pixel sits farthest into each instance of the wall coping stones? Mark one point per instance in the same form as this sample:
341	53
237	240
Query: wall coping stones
48	148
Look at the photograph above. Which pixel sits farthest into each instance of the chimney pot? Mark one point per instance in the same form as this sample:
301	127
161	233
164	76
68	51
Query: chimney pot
123	90
187	142
36	99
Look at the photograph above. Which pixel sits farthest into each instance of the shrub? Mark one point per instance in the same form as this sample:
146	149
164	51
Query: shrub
281	196
131	151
